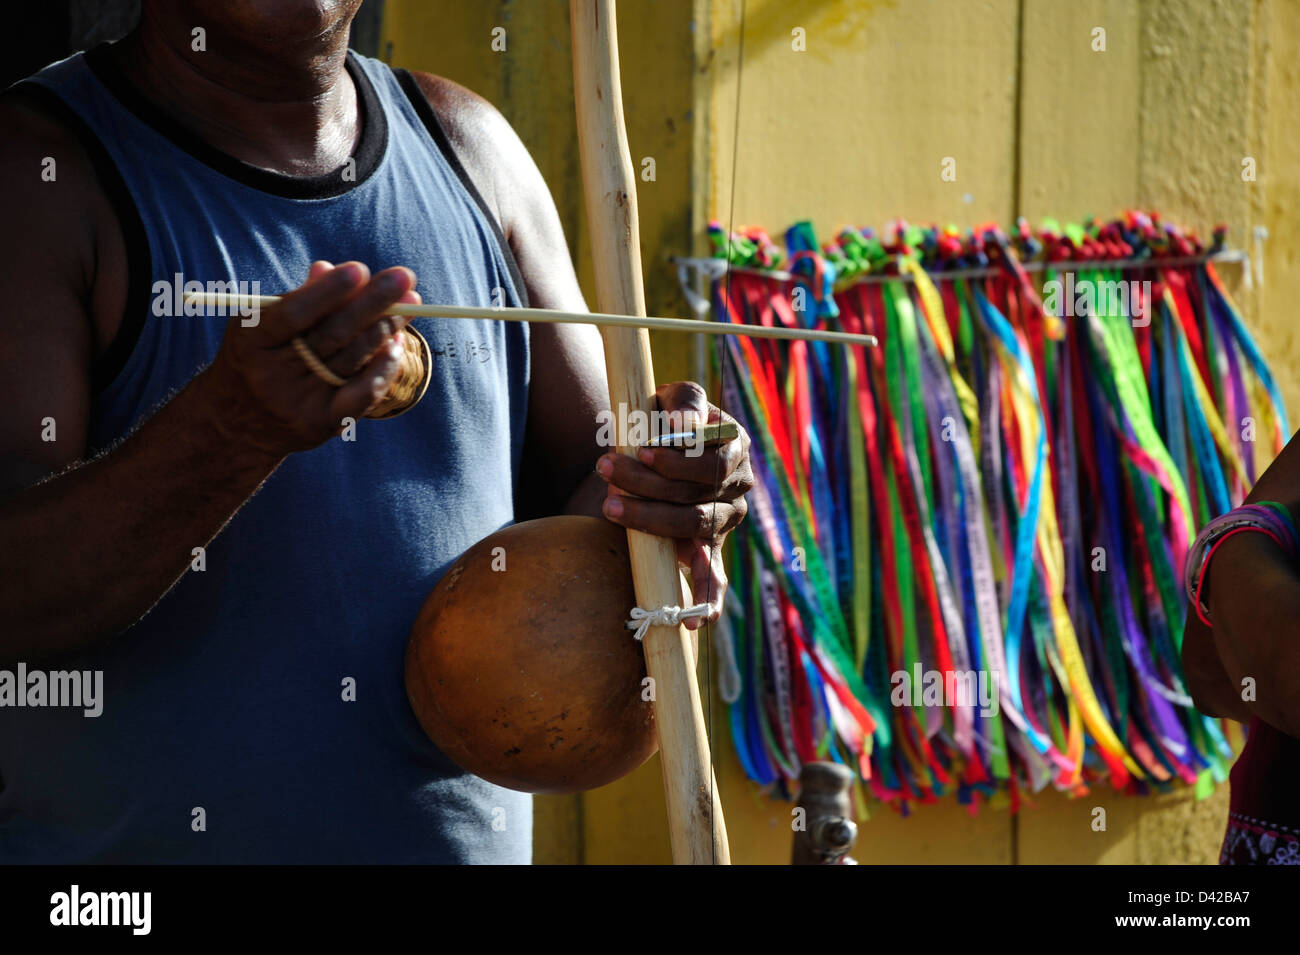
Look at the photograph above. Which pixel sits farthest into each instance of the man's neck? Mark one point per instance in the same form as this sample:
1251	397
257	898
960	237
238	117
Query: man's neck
293	111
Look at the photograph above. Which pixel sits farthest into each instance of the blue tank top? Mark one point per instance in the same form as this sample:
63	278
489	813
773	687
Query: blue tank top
258	713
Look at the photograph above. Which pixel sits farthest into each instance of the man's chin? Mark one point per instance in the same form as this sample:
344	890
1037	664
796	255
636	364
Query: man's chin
290	22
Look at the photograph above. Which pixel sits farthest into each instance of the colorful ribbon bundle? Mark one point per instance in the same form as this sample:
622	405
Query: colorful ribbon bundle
961	569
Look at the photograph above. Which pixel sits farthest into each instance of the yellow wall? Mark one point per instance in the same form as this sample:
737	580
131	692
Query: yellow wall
853	131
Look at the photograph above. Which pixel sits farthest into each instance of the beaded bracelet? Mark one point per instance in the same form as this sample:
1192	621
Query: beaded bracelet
1265	517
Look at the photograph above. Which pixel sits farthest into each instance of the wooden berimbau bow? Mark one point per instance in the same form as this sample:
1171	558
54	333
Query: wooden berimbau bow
695	823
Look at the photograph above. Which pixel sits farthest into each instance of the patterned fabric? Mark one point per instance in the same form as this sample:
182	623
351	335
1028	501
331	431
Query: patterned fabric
1264	811
1251	841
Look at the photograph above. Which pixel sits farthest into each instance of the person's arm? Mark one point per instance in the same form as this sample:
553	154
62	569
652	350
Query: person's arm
86	552
1211	688
1255	609
695	500
1254	603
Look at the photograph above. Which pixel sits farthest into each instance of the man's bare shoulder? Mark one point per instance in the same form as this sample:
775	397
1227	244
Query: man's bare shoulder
61	250
43	166
513	187
486	144
471	121
53	206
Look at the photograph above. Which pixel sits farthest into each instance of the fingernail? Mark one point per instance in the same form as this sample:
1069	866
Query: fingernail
605	466
349	274
613	507
646	455
391	282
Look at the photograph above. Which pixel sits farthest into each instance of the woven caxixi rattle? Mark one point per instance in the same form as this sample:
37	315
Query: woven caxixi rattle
408	387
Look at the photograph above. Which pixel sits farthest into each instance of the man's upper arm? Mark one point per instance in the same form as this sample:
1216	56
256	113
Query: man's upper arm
50	207
568	386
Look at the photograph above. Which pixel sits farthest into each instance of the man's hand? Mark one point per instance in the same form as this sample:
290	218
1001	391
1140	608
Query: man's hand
175	481
695	499
270	397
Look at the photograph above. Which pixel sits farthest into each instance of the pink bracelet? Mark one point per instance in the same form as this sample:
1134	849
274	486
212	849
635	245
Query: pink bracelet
1205	565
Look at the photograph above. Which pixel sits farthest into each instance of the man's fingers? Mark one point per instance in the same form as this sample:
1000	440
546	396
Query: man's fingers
708	578
703	560
335	332
725	474
684	397
302	308
700	465
698	521
711	584
367	344
365	390
635	478
693	498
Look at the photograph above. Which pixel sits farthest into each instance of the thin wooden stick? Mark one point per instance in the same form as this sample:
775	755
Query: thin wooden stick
246	302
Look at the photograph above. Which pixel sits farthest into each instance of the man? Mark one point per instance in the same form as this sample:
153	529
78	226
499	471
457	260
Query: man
225	536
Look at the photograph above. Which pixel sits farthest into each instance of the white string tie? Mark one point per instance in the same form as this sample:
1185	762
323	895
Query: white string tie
643	620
